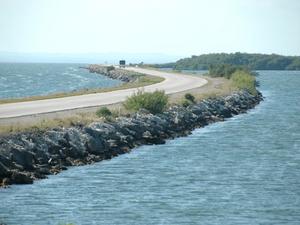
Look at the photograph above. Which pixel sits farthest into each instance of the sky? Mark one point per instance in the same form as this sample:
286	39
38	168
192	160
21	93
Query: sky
173	27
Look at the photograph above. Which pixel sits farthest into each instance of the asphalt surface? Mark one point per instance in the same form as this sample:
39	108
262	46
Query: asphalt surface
173	83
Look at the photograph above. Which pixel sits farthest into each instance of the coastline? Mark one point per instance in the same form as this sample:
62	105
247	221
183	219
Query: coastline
28	156
114	73
129	79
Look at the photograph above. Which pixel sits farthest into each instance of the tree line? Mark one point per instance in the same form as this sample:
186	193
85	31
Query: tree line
252	61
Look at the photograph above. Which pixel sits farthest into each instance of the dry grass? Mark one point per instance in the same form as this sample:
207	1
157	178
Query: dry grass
44	123
214	88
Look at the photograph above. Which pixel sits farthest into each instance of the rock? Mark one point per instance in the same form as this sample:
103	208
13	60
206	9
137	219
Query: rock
3	171
95	143
6	161
43	169
55	140
20	178
33	155
77	143
5	182
97	134
42	157
114	73
23	158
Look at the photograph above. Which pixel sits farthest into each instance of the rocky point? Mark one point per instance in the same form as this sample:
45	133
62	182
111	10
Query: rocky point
27	156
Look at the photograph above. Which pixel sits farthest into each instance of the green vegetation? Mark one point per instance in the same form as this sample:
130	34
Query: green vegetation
226	70
49	123
189	97
186	103
68	119
252	61
110	68
240	77
223	70
243	80
154	102
103	112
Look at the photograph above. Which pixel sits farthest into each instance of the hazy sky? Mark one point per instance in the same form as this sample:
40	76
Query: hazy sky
178	27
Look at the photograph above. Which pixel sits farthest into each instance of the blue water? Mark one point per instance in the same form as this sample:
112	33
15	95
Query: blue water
33	79
245	170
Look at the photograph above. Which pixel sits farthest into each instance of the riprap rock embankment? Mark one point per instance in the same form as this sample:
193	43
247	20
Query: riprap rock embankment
114	73
27	156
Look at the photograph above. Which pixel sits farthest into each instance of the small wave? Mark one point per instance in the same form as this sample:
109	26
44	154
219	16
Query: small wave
33	80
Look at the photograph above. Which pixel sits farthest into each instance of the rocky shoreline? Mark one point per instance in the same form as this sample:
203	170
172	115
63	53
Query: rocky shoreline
25	157
114	73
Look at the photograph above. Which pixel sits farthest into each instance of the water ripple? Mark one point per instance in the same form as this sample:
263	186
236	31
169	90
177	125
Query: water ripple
245	170
23	80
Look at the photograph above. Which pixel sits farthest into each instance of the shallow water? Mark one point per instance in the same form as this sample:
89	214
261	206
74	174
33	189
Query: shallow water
245	170
31	79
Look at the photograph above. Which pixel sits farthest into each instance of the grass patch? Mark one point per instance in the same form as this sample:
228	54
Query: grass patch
106	114
215	87
243	80
154	102
46	124
78	119
143	80
103	112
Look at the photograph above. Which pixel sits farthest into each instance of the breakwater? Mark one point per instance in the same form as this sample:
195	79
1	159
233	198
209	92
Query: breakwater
114	73
25	157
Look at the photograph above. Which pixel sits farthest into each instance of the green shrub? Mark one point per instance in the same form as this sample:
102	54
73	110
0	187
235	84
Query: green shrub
226	70
241	77
244	80
154	102
189	97
103	112
110	68
186	103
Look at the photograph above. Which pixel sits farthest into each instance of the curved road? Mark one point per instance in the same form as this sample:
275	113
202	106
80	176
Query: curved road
173	83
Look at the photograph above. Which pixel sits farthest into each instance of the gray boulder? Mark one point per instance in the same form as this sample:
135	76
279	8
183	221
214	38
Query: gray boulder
22	157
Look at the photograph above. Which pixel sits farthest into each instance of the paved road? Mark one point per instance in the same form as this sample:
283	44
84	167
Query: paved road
173	83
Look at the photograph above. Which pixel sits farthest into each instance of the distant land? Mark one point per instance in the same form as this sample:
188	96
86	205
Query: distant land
253	61
107	58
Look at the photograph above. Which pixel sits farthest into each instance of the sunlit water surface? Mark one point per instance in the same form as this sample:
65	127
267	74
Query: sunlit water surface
31	79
